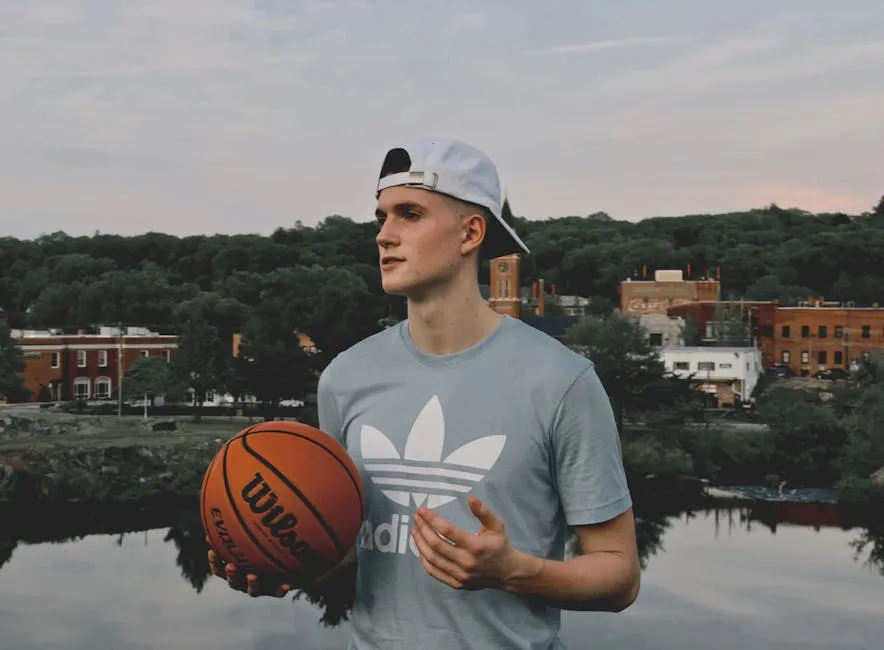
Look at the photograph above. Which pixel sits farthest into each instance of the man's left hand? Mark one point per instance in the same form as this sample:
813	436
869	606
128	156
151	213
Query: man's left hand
485	559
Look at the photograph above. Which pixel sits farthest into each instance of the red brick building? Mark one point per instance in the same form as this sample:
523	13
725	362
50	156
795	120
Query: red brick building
61	367
669	288
823	334
505	290
813	336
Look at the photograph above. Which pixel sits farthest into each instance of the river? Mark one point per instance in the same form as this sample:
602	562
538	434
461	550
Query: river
771	576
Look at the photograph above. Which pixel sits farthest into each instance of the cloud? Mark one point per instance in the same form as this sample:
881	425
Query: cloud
596	46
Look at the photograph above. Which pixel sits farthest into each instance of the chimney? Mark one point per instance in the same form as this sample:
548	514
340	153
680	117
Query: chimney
541	295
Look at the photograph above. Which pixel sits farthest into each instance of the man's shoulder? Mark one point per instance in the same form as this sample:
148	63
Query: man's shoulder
542	352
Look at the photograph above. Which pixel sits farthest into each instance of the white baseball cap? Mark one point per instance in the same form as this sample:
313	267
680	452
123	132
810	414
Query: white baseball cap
459	170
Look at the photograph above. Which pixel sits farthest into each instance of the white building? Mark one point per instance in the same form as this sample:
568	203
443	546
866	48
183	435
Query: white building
663	330
729	373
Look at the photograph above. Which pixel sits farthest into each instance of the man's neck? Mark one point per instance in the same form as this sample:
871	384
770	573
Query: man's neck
449	323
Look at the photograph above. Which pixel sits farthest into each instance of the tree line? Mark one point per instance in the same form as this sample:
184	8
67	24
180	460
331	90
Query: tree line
323	280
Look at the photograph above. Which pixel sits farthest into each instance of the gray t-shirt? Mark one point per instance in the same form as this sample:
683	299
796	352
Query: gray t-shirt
518	420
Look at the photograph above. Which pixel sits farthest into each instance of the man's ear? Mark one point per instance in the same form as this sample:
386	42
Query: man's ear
473	232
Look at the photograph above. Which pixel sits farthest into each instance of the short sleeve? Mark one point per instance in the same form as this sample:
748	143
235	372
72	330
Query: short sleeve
328	414
587	454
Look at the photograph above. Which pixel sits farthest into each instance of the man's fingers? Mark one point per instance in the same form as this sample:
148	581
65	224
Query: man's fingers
235	579
443	527
216	566
432	558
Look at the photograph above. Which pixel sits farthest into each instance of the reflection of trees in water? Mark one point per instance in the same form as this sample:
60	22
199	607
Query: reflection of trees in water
7	546
868	547
654	517
189	538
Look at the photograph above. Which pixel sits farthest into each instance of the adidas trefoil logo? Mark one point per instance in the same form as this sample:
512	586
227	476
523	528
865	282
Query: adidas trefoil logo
420	474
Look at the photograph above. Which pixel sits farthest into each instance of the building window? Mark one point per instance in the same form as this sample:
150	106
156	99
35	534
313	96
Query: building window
81	358
102	388
805	357
682	365
54	360
839	357
821	355
655	339
786	356
787	331
81	388
805	331
725	365
167	354
706	365
823	331
839	331
145	353
102	359
867	331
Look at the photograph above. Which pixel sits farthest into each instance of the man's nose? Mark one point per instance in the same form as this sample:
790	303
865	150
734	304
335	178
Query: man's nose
386	236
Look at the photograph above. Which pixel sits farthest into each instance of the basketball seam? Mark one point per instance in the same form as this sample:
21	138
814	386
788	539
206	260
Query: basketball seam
328	451
242	522
312	508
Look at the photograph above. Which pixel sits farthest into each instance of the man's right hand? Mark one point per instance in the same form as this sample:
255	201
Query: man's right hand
256	586
247	582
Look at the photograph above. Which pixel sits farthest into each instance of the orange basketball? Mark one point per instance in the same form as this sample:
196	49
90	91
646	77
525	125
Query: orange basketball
282	498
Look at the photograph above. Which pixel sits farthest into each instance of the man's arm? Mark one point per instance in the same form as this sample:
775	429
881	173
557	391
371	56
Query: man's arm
605	576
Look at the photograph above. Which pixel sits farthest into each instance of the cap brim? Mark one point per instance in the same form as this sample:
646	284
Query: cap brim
501	239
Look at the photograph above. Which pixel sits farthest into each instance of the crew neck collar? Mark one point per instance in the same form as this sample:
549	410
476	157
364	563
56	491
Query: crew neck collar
454	358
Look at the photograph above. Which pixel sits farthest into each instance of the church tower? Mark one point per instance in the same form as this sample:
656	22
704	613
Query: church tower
505	294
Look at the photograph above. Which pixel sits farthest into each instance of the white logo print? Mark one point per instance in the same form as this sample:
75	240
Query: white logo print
441	481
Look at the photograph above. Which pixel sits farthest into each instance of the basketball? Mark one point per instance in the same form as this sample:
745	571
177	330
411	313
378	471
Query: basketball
282	498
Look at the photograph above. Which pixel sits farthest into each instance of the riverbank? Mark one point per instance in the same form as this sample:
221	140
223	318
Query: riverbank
68	458
63	457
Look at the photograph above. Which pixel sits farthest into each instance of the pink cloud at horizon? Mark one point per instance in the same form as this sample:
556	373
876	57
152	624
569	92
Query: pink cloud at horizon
812	199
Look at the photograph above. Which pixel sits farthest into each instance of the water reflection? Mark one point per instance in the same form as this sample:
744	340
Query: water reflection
776	576
28	524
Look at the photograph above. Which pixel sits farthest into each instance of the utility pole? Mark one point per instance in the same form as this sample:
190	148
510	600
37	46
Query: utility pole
120	348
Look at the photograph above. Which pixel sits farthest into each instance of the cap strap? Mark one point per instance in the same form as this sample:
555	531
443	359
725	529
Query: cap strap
428	180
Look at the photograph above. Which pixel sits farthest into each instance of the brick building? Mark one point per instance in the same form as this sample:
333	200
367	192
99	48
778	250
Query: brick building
61	367
505	293
820	334
812	336
668	289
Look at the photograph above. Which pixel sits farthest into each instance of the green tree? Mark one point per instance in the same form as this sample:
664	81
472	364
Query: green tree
12	362
626	363
808	438
201	360
149	378
274	367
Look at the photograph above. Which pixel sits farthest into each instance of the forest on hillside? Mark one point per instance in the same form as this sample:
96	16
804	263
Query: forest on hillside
58	280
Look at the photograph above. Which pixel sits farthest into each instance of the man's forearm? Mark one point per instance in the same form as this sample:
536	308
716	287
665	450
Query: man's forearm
592	582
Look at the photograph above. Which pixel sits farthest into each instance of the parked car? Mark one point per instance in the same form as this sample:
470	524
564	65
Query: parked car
832	374
780	371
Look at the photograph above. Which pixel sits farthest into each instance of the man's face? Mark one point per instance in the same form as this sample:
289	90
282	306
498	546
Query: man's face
423	242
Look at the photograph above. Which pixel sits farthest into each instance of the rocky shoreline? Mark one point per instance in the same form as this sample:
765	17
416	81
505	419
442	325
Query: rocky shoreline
73	460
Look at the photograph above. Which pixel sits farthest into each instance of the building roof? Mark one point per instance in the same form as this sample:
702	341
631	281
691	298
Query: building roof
707	348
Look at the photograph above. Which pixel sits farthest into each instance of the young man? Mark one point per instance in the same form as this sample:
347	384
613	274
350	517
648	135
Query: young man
480	440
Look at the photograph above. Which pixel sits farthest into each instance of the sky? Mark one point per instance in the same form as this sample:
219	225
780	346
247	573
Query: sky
230	116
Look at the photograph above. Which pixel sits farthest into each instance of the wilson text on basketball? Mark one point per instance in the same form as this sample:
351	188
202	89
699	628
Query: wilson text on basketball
279	524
